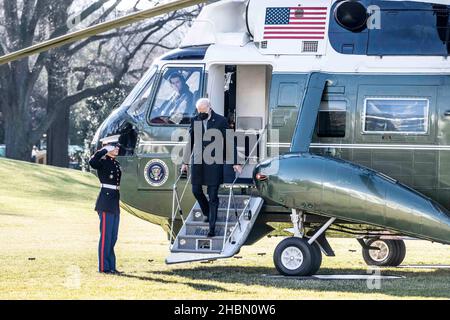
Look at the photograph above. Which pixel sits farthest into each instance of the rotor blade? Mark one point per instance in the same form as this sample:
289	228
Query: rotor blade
99	28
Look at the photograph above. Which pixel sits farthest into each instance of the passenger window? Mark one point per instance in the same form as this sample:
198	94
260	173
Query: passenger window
332	119
396	115
177	93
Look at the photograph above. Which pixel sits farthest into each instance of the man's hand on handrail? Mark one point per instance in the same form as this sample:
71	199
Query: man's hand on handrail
237	168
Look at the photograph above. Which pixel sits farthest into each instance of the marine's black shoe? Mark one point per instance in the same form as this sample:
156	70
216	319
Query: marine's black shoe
211	234
205	219
115	272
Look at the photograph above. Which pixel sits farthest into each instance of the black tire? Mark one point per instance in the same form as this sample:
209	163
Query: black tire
392	253
317	258
401	253
305	266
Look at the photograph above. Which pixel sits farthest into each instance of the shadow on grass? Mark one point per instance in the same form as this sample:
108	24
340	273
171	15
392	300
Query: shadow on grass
419	284
61	187
196	286
6	214
61	177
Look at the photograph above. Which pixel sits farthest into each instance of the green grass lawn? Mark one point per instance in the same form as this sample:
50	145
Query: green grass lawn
48	250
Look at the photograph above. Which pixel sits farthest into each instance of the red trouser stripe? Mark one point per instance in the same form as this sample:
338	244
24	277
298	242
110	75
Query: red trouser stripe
102	253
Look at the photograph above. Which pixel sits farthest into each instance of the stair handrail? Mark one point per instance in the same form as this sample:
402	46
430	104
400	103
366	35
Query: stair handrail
176	201
263	132
231	194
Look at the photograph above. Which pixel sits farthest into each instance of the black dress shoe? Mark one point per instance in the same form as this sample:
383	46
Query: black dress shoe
211	234
116	272
205	219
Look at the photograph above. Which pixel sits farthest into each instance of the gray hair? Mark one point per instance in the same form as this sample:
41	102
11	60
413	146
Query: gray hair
203	101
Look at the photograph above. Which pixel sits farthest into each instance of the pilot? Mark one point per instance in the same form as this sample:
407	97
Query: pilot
107	206
182	100
206	172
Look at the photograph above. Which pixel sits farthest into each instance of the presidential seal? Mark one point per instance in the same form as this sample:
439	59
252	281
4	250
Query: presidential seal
156	173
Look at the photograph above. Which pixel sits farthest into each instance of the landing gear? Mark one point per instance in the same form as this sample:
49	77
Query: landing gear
299	255
390	253
317	258
296	257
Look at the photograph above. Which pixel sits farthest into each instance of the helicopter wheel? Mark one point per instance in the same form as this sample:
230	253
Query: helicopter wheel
296	257
391	253
317	253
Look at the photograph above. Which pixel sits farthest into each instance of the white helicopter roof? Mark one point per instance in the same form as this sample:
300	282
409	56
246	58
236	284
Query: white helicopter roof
223	26
224	22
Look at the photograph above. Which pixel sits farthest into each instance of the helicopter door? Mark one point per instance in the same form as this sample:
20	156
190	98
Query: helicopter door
286	94
251	113
243	100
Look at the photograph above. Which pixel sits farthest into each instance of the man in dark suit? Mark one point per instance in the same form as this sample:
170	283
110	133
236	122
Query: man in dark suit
107	206
208	129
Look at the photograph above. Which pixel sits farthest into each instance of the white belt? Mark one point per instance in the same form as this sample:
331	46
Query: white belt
110	186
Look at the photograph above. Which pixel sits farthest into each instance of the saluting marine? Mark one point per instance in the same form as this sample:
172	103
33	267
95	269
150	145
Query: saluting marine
107	206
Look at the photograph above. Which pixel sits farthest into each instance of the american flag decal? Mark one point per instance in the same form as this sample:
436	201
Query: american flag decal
306	23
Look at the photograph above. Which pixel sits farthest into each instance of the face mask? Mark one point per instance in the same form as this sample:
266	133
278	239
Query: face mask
203	115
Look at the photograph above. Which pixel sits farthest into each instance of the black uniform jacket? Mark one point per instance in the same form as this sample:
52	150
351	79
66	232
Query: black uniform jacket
108	172
205	173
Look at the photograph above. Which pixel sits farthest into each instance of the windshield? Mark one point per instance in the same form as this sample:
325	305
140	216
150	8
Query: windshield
135	103
178	90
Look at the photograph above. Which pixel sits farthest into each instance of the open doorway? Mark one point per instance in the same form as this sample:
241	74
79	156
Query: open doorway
240	93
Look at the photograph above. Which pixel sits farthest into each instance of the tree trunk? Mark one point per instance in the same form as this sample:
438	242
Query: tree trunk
58	140
58	133
17	118
16	137
57	69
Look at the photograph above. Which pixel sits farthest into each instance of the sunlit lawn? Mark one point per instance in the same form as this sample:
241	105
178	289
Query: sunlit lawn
48	250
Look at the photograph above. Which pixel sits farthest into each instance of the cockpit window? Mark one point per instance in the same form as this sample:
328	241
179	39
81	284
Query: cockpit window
178	91
139	99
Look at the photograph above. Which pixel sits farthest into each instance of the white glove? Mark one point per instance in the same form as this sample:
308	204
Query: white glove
109	148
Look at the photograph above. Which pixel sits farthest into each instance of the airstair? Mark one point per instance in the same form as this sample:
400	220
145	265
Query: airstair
237	214
235	219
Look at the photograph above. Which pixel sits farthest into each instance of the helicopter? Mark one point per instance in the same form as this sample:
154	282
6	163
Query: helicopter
342	107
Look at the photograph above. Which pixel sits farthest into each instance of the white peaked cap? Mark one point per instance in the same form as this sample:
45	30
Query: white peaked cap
110	139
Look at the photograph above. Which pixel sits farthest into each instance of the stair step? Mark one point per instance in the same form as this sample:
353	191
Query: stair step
202	243
201	237
192	243
247	183
196	251
219	210
202	228
206	224
241	202
197	216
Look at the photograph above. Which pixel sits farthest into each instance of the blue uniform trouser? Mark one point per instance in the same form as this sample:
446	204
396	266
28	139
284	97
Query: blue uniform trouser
109	229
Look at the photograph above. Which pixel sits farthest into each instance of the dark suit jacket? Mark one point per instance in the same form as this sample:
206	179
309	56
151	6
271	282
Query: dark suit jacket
108	172
208	173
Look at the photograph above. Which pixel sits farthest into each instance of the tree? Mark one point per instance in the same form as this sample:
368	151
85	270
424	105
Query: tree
70	73
87	117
